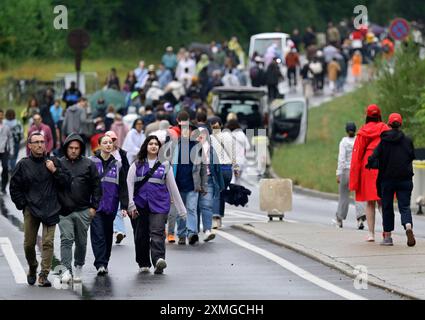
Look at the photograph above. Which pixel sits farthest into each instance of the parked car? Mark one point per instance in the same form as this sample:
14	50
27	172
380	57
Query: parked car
288	120
249	104
259	44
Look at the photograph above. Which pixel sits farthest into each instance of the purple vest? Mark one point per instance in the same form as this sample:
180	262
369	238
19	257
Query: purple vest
154	193
110	187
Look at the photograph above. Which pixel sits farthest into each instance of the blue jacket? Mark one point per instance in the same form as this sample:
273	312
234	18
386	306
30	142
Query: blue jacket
199	171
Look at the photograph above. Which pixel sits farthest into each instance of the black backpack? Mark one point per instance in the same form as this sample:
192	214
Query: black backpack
17	133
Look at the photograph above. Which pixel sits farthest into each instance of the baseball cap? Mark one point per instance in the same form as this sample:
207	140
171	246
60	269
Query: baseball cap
350	127
111	135
373	111
395	117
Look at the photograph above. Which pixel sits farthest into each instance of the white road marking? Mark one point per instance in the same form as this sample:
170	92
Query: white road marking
13	261
252	215
293	268
239	215
240	221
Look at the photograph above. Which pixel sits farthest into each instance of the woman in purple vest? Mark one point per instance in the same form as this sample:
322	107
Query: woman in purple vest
151	186
114	191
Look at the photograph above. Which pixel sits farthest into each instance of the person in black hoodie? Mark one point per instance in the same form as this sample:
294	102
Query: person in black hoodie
80	201
393	158
272	77
34	189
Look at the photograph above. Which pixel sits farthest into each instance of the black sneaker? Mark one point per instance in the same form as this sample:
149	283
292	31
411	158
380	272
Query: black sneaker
182	241
360	223
43	281
32	276
120	237
411	242
193	239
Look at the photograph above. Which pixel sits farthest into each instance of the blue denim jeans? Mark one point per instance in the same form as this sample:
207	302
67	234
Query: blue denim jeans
403	191
206	207
12	160
190	200
173	219
219	203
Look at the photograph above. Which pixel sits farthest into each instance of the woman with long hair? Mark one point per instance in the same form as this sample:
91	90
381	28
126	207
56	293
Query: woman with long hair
362	180
31	110
151	186
114	192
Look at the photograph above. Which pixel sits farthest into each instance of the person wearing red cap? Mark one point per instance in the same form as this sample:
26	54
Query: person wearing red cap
362	180
393	158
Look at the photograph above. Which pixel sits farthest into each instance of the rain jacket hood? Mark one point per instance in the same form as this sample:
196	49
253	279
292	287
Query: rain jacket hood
74	137
372	130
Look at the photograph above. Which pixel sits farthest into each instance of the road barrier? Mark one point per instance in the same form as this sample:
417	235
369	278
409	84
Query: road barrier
276	197
418	193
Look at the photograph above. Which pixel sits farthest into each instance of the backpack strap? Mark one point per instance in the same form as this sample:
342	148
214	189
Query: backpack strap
107	169
147	176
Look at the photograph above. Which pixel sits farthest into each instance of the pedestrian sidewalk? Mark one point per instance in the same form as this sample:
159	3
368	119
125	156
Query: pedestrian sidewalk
399	268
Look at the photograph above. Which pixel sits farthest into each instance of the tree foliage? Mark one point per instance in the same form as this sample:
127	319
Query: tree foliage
401	89
26	26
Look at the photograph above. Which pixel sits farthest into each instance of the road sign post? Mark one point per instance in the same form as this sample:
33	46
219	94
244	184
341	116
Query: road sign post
399	29
78	40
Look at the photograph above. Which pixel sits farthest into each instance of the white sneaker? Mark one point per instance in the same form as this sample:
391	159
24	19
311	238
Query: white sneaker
209	236
337	222
160	266
101	271
144	270
78	273
215	223
66	277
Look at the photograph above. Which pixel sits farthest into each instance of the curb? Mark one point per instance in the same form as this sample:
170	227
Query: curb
328	261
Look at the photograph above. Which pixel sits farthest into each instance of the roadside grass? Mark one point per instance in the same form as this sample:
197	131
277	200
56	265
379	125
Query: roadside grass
313	165
46	70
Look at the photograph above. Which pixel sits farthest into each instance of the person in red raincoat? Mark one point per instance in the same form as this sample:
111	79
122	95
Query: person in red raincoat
362	180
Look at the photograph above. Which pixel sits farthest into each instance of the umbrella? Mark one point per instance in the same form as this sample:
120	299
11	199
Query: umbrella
377	30
200	48
110	96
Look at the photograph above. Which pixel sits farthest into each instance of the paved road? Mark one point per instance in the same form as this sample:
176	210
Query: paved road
235	265
222	269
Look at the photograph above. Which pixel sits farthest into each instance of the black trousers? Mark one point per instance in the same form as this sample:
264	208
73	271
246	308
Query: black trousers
273	92
101	234
149	237
403	191
5	173
292	76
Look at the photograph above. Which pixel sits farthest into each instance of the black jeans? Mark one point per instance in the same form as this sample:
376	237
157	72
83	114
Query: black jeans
273	92
403	191
292	76
149	237
5	173
101	234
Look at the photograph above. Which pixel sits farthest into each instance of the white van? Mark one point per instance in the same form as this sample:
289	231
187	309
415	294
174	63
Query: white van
260	42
